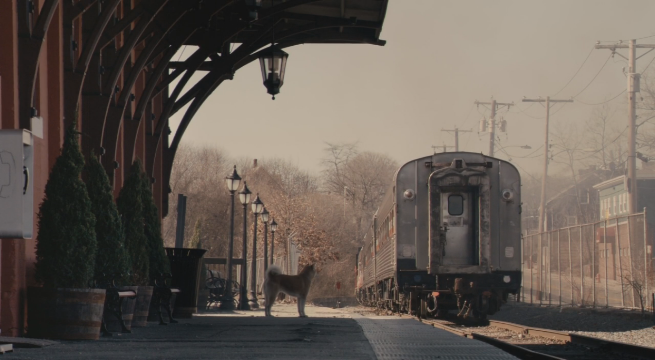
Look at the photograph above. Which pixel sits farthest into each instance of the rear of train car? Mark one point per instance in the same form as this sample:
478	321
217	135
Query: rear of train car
447	237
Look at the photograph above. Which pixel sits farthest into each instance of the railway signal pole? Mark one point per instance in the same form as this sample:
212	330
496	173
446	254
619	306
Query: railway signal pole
456	131
633	88
544	177
492	121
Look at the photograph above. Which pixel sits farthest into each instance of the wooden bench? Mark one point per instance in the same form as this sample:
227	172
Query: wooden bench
114	304
161	297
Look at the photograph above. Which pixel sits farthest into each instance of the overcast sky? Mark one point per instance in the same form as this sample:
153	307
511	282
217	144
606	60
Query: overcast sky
440	57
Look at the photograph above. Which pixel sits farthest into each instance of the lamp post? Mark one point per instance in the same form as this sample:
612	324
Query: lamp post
233	181
265	220
273	230
244	197
273	62
257	208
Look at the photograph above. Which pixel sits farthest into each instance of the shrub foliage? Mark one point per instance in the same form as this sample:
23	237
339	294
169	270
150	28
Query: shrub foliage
66	240
152	228
112	259
130	206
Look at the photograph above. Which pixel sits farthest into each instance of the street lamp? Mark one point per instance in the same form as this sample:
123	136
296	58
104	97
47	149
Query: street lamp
273	230
265	220
257	208
273	62
244	197
233	181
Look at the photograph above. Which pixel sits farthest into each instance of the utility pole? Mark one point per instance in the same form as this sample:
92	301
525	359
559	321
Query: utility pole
456	131
633	88
492	121
544	177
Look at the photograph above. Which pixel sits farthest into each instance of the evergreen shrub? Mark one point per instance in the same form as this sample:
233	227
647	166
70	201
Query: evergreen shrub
66	241
112	260
130	206
152	227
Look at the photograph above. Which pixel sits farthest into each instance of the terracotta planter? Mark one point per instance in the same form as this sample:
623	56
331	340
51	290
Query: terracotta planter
66	314
113	325
142	306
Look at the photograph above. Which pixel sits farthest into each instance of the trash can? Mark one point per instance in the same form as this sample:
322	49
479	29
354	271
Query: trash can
185	268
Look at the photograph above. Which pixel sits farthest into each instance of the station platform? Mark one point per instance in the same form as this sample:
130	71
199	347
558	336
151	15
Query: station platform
326	334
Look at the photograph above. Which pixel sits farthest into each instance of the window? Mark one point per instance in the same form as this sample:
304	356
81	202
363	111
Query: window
455	205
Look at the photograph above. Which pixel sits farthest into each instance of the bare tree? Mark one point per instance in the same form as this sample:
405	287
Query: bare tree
362	178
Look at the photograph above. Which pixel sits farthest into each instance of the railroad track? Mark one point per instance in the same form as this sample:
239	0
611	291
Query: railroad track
560	345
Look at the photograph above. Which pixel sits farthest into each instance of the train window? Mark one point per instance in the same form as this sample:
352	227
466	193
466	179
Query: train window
455	205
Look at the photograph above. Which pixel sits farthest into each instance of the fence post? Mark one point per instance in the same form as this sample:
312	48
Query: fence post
523	236
549	269
540	265
618	243
570	267
630	254
581	272
559	270
593	267
607	304
645	254
531	270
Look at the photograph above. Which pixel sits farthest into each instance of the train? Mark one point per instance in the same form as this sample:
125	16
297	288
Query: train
446	238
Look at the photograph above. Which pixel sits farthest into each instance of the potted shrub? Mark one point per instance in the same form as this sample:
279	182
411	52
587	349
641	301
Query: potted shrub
65	255
112	260
130	206
156	254
152	227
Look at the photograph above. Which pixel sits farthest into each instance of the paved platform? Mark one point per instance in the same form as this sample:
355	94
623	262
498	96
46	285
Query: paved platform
325	334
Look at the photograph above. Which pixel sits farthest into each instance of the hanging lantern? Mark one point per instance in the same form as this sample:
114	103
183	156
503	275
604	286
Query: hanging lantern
273	62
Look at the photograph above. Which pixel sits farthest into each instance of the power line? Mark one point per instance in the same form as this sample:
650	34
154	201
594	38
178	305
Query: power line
592	80
576	73
603	102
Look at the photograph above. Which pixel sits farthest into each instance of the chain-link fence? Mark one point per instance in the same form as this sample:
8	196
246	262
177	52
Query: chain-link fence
608	263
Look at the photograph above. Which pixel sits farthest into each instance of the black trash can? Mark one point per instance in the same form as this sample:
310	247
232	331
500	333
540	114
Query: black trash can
185	268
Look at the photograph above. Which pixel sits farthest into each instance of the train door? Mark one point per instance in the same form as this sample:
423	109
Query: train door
458	218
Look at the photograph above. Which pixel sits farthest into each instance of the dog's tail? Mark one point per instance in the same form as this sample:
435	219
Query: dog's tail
273	270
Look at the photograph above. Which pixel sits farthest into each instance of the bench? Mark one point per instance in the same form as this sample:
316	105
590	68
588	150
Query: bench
217	288
161	297
114	303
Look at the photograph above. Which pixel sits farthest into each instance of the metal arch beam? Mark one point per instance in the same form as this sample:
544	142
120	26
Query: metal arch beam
78	9
74	74
30	47
113	123
110	123
215	78
265	13
336	23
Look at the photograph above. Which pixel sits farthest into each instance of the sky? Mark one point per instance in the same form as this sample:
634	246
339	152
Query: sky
440	57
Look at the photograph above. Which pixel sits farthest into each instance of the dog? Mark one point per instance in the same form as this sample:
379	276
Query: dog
292	285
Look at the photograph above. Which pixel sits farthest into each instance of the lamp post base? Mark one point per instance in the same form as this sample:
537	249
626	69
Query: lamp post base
243	305
252	302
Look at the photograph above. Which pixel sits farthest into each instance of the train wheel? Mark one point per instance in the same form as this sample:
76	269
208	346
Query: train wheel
423	309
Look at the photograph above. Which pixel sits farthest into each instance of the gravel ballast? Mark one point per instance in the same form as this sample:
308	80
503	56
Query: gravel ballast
628	326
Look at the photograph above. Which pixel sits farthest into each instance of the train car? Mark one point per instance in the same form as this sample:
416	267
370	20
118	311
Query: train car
447	237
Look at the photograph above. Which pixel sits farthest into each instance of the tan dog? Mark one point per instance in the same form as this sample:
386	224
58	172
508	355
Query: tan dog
292	285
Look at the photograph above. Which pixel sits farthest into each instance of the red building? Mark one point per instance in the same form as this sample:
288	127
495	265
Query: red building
111	63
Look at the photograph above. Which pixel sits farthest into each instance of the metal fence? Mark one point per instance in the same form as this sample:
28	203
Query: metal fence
608	263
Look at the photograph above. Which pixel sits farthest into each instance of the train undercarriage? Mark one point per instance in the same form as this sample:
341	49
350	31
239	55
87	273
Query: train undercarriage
467	296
